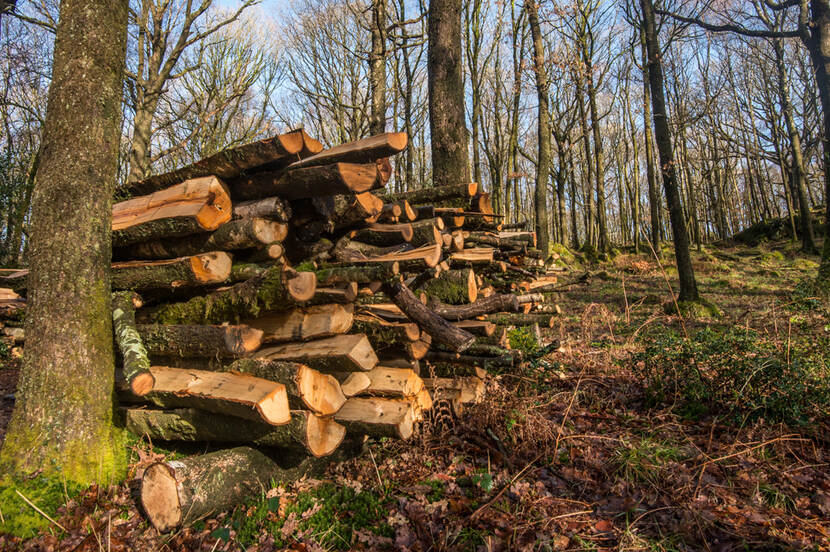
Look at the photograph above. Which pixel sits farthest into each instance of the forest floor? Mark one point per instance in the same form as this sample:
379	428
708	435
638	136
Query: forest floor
644	431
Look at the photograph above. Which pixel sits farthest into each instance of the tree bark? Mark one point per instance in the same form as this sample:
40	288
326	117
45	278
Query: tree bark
61	423
306	182
495	303
200	341
135	363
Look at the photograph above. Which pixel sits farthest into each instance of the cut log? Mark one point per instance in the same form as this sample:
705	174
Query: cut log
544	320
276	289
237	234
377	417
526	237
200	341
319	436
427	232
348	251
495	303
136	364
394	382
304	323
439	195
362	274
342	293
232	162
465	365
439	329
353	383
476	256
476	327
194	206
452	217
342	353
241	272
385	335
344	211
457	241
418	259
471	388
455	287
272	208
423	212
531	298
197	270
233	394
266	254
366	150
383	234
180	492
481	203
390	213
407	212
305	182
306	388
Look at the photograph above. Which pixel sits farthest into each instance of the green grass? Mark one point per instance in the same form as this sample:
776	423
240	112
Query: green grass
641	461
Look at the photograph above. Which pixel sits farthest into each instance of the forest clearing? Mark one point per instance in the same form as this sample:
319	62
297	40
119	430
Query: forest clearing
445	275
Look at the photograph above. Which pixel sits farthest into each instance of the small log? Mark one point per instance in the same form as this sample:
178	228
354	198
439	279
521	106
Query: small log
407	212
266	254
341	353
315	251
237	234
194	206
232	162
427	232
476	327
306	388
394	382
470	388
304	323
423	212
383	234
276	289
452	217
439	195
544	320
465	365
526	237
495	303
457	241
233	394
306	182
476	256
197	270
438	328
353	383
377	417
272	208
342	293
241	272
455	287
362	274
390	213
200	341
319	436
385	335
531	298
136	364
344	211
366	150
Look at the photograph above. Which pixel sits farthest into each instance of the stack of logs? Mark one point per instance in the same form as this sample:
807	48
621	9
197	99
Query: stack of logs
275	294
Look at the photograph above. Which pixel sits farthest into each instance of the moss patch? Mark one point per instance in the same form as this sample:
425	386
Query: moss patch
47	493
702	308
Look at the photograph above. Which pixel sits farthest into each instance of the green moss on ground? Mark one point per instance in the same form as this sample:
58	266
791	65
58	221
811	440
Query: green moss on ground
47	493
702	308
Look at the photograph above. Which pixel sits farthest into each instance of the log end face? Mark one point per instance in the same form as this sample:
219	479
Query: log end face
303	285
362	353
398	140
160	497
323	435
219	209
472	188
320	392
274	407
292	142
355	383
142	384
211	268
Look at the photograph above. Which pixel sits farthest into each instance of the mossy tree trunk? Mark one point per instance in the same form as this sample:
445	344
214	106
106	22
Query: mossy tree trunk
62	422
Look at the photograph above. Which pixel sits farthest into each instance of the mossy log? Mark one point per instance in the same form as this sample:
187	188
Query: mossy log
495	303
341	293
194	206
238	395
439	329
272	208
454	287
284	148
446	196
427	232
196	270
276	289
317	435
241	272
378	417
306	182
136	364
341	353
237	234
304	323
362	274
349	251
385	335
518	319
196	341
465	364
179	492
306	388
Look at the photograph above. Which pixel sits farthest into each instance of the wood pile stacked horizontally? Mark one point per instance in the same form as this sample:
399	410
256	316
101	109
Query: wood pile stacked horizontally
276	294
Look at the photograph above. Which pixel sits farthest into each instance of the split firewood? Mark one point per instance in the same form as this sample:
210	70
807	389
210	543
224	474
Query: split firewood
317	435
471	388
272	208
446	196
276	289
383	234
394	382
232	162
341	353
136	364
496	303
366	150
304	323
378	417
353	383
306	388
194	206
238	395
199	341
440	330
305	182
179	492
237	234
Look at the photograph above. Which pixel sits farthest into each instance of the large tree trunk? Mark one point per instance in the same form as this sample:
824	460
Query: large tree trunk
651	176
543	129
377	68
688	285
446	94
62	418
